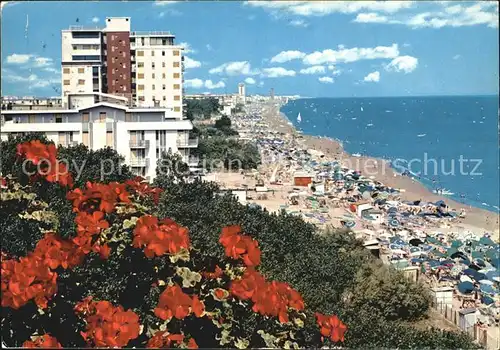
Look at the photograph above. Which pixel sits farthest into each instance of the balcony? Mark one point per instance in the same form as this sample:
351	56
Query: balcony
139	143
187	143
139	162
69	143
193	161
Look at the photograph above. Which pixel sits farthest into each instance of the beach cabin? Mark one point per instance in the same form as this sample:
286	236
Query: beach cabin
302	179
467	319
411	273
373	246
442	295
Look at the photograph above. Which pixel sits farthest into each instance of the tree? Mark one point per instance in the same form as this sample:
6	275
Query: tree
223	123
170	168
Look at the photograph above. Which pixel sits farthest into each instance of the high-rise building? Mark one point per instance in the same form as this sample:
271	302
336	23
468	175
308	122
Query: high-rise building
145	67
241	92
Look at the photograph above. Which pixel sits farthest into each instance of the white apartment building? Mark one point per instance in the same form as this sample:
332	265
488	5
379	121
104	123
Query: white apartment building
97	120
145	67
242	93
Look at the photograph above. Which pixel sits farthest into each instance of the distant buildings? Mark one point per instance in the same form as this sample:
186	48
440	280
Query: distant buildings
242	93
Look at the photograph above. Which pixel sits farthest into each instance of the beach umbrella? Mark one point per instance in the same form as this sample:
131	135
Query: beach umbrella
451	251
448	262
486	241
349	224
394	223
474	267
465	278
415	242
465	261
457	244
479	276
433	263
469	272
480	262
426	247
487	300
417	260
477	255
465	287
486	288
493	275
488	282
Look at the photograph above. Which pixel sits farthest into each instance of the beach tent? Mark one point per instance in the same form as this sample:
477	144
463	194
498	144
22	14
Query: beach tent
486	241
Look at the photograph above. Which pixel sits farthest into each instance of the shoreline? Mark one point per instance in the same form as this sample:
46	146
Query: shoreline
380	170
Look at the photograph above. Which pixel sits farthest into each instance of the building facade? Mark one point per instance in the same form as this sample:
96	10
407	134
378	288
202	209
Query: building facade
139	134
145	67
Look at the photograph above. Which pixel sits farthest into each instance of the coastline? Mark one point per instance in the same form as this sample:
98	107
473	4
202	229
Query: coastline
380	170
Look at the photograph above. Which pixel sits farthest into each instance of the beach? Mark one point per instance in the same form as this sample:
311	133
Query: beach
476	219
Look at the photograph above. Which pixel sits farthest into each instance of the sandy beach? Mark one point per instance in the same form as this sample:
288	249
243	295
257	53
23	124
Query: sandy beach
477	219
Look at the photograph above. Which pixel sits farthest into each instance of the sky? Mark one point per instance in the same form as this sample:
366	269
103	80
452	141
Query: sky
311	49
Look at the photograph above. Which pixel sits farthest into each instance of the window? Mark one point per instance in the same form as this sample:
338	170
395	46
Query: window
163	87
153	98
141	98
140	53
128	117
163	53
112	60
95	70
112	37
109	138
153	76
140	76
66	70
102	117
124	54
140	87
177	86
58	120
163	64
152	53
85	35
177	109
176	64
86	57
164	76
152	65
177	75
81	82
153	87
124	66
85	138
66	82
177	98
112	49
176	53
85	117
164	98
140	64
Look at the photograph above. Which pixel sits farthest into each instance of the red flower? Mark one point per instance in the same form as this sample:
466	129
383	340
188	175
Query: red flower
213	275
162	340
248	285
35	151
45	341
192	344
175	303
3	182
103	250
332	327
143	189
239	246
26	279
99	196
220	293
159	237
57	252
108	326
90	223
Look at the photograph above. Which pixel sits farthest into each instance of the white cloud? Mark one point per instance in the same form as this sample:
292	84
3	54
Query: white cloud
313	70
31	81
234	68
18	58
95	19
299	23
208	84
405	64
209	47
351	55
327	80
370	17
372	77
277	72
194	83
323	8
52	70
164	3
42	61
190	63
250	81
285	56
334	69
414	14
187	48
456	57
261	83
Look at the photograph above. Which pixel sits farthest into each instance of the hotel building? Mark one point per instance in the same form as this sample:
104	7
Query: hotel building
120	89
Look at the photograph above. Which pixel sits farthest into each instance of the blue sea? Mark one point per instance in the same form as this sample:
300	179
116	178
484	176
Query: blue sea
449	143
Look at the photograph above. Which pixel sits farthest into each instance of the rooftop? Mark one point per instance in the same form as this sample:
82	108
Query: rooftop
84	28
144	33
